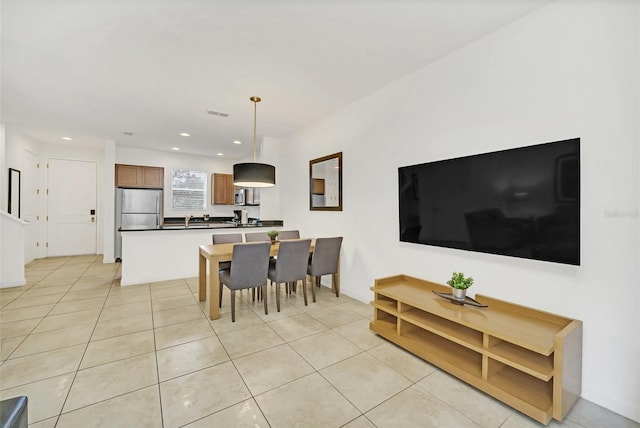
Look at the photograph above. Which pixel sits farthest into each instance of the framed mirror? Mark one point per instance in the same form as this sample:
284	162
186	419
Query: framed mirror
14	192
325	183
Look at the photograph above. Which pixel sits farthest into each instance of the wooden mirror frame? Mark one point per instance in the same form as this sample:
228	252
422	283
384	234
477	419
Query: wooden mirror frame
313	190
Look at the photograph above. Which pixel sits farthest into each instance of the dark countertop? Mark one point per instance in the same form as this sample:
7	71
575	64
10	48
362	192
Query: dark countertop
201	224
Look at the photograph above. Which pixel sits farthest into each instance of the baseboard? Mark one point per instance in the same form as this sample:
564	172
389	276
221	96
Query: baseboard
12	284
326	282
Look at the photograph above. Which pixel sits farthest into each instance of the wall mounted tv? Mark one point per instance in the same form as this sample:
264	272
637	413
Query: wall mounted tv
523	202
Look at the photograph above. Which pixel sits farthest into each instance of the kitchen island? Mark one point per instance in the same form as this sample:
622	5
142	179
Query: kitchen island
169	252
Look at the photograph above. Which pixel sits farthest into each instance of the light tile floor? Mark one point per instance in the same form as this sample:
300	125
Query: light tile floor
89	353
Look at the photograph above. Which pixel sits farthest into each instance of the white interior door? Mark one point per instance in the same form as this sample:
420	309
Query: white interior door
71	226
30	206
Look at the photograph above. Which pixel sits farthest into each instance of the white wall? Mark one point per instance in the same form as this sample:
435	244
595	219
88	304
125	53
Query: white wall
16	143
108	201
271	204
4	190
11	251
567	70
13	155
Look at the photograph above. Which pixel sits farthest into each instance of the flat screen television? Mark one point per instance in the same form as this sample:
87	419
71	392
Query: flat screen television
522	202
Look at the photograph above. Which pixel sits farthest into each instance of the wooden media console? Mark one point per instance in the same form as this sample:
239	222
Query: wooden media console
528	359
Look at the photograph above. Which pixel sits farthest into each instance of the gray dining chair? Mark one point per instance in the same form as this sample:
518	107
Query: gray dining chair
226	238
290	266
289	234
324	261
14	412
249	269
257	237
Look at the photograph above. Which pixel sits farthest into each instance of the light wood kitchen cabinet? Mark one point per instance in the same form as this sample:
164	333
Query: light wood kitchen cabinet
152	177
223	189
138	176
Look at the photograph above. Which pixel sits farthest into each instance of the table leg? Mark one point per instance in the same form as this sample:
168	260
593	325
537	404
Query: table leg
202	277
214	289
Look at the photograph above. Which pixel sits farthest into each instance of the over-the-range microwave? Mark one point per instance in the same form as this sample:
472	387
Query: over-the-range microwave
247	196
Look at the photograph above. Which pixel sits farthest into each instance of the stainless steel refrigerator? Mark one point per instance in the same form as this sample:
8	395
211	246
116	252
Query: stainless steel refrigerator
139	208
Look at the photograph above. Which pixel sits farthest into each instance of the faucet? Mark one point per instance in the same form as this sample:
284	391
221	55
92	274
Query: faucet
186	220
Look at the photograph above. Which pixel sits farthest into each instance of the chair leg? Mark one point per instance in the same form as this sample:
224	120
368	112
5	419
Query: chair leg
304	290
264	296
334	285
314	280
220	296
233	305
278	296
256	291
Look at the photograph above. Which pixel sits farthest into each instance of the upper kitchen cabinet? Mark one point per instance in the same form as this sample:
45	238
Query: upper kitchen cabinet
139	177
317	186
223	189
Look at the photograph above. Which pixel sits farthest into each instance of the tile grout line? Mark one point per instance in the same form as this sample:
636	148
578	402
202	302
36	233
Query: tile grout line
84	353
155	353
42	319
31	332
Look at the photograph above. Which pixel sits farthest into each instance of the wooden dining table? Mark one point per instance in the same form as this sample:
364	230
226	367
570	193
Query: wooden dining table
213	254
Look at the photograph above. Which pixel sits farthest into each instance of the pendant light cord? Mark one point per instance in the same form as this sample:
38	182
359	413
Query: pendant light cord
255	100
255	114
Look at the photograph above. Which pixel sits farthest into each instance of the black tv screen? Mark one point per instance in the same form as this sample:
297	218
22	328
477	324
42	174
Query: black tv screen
523	202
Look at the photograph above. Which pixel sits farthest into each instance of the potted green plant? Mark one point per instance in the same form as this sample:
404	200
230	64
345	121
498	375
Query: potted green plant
273	234
459	285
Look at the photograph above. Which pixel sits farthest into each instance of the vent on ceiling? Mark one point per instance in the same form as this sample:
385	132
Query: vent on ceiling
218	113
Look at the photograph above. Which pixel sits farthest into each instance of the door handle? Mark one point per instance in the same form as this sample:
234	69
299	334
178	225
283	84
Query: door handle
93	219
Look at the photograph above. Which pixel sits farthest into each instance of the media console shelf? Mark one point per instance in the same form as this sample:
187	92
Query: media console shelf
528	359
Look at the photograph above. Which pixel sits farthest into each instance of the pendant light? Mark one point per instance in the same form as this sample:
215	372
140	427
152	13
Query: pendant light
253	174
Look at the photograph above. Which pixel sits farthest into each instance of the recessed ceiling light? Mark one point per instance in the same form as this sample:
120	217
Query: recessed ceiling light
67	138
220	154
185	134
175	148
237	142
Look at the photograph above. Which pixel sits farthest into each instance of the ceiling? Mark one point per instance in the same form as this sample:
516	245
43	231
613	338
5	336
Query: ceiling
92	70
